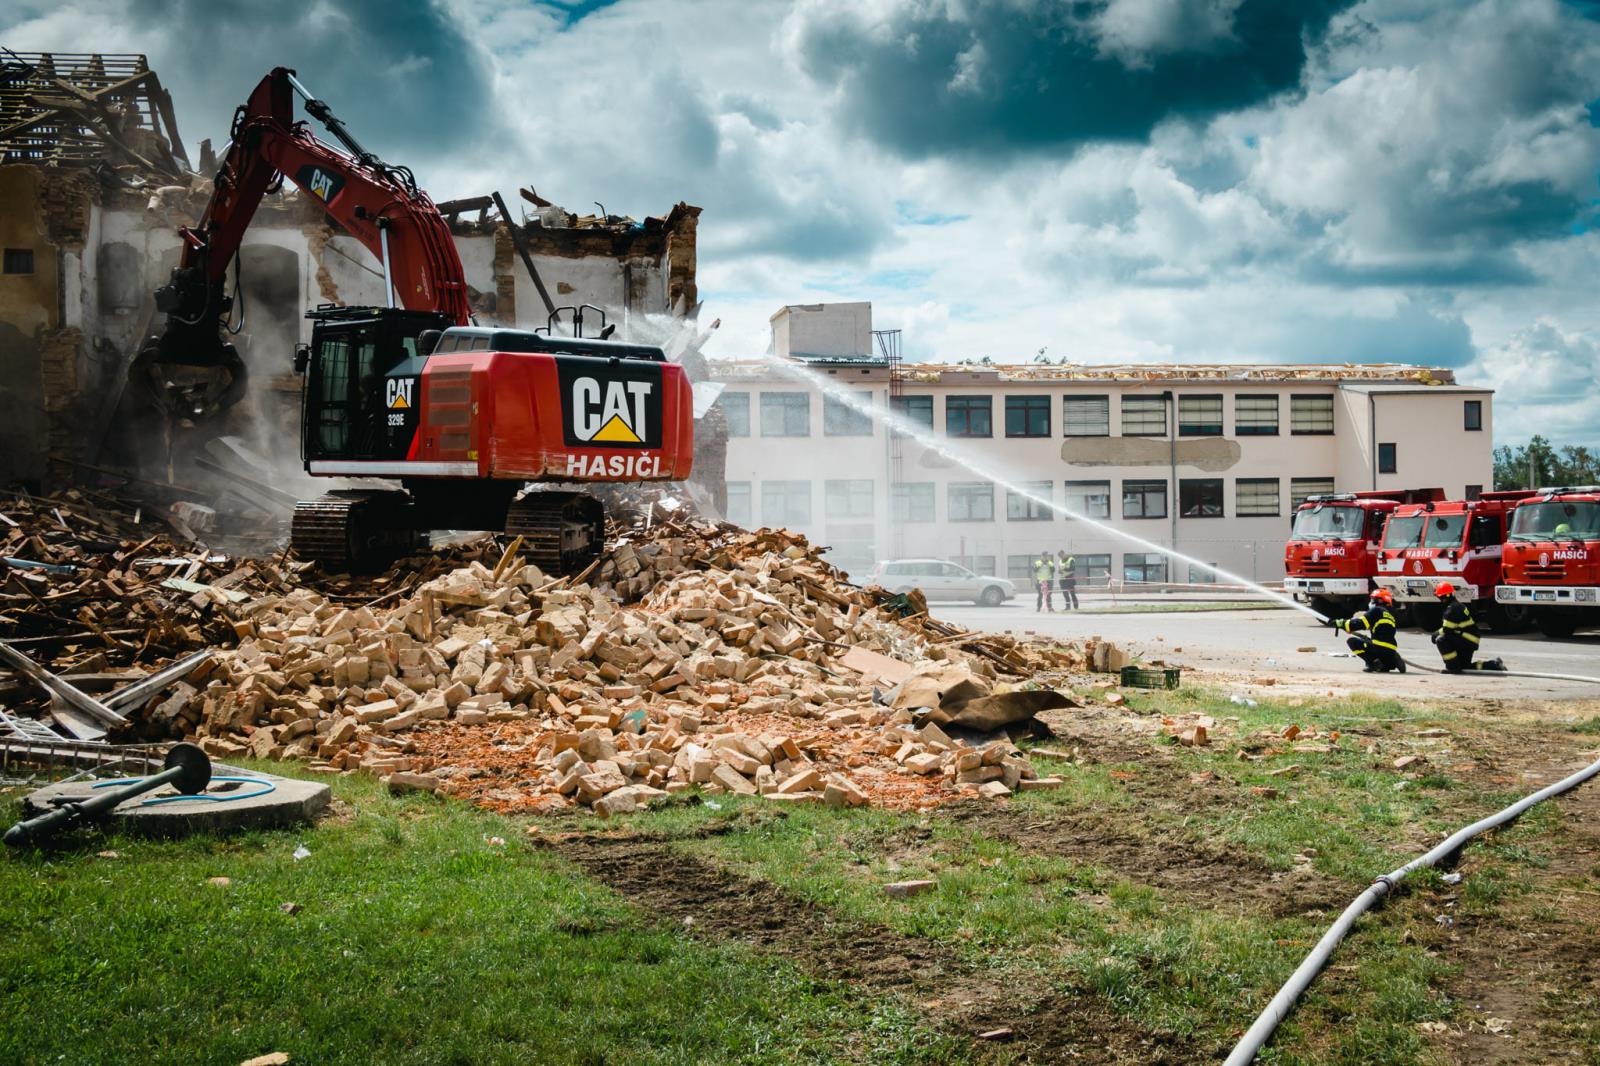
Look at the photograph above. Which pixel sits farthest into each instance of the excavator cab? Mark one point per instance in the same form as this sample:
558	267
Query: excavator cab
357	403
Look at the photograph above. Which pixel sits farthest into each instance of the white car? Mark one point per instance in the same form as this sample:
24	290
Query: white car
940	580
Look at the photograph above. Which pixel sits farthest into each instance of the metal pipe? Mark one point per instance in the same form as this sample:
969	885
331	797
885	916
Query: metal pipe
1372	435
319	110
187	769
1172	460
388	275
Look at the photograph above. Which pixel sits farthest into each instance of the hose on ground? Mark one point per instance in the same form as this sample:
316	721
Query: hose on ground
1325	620
1256	1037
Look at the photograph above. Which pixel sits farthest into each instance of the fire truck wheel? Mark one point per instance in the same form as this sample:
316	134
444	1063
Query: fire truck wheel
1557	624
1426	616
1511	618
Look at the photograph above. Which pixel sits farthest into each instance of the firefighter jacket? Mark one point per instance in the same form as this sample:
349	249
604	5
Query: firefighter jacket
1042	569
1460	630
1377	623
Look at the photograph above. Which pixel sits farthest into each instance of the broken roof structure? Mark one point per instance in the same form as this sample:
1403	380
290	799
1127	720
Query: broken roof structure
68	109
1130	373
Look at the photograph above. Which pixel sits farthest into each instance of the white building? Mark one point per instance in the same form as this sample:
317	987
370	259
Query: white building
1209	459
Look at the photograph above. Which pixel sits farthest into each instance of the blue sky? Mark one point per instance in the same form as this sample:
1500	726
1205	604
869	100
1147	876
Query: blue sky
1110	180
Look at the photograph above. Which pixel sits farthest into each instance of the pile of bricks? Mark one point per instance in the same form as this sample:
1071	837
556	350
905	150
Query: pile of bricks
699	657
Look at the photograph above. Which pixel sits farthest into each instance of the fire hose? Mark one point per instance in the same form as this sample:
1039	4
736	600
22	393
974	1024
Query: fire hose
1266	1023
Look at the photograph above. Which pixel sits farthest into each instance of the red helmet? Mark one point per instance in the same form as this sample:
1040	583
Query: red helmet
1383	596
1444	590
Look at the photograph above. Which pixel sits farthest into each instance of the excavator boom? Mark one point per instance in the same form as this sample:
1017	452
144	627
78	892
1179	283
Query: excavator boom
191	370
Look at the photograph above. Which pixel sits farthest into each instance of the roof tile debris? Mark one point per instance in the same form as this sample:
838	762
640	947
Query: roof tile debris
1131	373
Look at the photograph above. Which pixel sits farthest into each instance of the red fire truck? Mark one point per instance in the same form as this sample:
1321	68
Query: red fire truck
1551	564
1331	557
1459	541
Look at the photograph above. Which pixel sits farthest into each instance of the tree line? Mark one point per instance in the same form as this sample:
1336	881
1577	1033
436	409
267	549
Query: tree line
1538	464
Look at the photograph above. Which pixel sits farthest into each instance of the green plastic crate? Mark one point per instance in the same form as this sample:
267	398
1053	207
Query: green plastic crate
1145	677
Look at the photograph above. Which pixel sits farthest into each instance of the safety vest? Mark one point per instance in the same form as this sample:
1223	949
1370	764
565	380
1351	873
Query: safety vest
1379	622
1459	623
1064	566
1041	570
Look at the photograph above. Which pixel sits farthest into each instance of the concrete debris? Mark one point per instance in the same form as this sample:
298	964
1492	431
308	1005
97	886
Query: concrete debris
901	889
700	658
693	656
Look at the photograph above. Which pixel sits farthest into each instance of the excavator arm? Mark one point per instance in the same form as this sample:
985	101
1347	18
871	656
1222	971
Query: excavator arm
191	370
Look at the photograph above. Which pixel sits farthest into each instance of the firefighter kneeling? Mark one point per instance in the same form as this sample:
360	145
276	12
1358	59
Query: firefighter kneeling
1372	634
1457	639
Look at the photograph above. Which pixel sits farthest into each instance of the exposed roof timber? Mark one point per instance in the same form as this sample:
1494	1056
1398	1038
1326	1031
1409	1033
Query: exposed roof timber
79	109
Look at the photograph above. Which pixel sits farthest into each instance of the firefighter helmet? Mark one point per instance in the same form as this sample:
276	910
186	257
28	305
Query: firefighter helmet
1383	596
1444	590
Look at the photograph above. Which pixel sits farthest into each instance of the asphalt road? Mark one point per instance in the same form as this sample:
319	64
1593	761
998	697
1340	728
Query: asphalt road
1248	643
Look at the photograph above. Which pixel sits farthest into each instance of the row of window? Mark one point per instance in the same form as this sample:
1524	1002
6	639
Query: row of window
788	502
788	414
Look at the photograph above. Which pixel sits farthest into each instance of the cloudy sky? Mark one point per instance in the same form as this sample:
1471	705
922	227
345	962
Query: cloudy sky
1107	180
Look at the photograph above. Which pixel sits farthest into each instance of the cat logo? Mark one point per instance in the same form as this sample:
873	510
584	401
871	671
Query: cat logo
397	394
611	412
611	403
318	182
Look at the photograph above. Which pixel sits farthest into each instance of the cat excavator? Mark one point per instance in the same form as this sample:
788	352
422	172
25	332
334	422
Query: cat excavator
471	424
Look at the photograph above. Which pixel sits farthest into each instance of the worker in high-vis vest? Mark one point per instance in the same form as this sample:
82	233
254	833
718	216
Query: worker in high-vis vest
1372	634
1457	638
1043	573
1067	580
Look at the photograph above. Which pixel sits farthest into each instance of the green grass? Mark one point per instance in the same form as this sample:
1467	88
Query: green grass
1591	727
417	941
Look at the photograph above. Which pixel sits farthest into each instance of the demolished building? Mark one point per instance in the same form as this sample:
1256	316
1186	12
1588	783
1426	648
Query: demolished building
94	183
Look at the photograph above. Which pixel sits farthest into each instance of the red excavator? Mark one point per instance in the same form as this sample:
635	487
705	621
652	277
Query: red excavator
463	416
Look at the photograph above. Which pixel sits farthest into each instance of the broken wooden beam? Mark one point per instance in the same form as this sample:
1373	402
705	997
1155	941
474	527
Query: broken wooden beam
72	696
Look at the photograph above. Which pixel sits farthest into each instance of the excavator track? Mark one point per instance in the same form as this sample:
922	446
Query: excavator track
353	530
562	532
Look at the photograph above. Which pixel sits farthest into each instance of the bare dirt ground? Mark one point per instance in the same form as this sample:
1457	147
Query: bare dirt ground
1519	965
1528	980
714	904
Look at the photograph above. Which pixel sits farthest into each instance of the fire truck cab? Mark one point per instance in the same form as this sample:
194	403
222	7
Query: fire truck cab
1331	557
1459	541
1551	564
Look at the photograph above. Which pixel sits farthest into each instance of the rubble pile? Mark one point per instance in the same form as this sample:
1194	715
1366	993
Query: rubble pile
91	579
700	657
691	655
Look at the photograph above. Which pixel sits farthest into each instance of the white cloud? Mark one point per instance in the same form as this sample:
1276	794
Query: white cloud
1133	30
1424	196
1547	380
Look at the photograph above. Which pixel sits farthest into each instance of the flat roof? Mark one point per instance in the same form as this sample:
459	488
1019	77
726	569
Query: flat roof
1372	376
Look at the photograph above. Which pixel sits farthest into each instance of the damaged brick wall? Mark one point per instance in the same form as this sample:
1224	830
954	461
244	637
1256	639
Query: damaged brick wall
505	275
65	202
47	213
682	226
317	238
60	353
